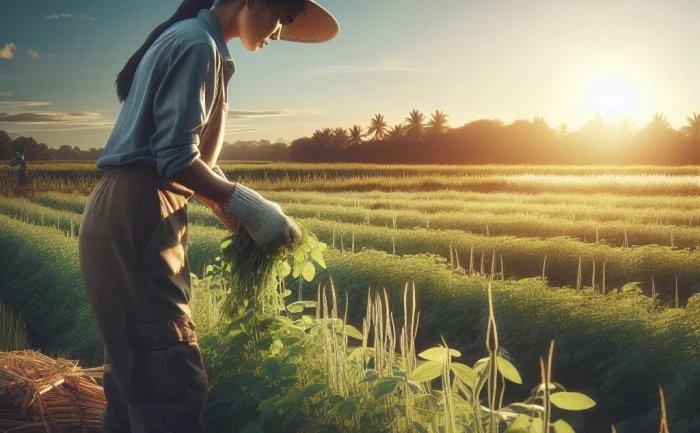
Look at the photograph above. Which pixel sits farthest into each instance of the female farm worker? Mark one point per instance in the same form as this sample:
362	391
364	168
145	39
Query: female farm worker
133	238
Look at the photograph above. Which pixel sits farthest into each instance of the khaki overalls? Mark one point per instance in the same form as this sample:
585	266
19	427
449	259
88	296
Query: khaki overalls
133	255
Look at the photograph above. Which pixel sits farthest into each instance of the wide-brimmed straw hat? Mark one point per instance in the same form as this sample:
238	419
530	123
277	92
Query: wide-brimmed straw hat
313	24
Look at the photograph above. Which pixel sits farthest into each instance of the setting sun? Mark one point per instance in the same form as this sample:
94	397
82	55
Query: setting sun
612	97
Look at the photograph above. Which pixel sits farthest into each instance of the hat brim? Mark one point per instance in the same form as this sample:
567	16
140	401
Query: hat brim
314	24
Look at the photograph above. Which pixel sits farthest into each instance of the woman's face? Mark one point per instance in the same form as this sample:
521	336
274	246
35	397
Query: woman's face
260	19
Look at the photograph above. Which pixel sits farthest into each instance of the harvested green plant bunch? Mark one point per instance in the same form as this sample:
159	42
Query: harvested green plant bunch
256	253
257	276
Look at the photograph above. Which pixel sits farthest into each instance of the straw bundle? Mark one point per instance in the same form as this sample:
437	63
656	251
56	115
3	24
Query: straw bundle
42	394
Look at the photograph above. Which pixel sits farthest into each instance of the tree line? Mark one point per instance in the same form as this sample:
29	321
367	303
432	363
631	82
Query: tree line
421	139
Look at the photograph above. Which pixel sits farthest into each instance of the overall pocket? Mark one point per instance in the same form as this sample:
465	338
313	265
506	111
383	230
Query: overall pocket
164	361
161	235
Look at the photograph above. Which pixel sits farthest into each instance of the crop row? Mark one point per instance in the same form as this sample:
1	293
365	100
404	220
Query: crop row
522	257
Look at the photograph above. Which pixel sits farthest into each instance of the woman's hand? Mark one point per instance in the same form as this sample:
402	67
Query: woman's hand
269	227
231	223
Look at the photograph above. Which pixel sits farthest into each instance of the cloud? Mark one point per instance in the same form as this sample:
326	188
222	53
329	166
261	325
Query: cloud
22	103
84	16
392	66
7	93
57	16
7	51
257	114
241	130
55	120
34	55
52	55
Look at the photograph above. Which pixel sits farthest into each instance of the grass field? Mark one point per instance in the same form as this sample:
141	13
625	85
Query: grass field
559	245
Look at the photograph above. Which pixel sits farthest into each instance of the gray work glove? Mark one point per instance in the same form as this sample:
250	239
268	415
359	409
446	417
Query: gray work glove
269	227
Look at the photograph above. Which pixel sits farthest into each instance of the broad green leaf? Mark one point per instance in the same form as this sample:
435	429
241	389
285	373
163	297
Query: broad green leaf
295	308
571	401
284	269
225	244
427	371
419	427
268	402
520	425
562	426
252	427
353	332
384	388
298	268
272	368
437	354
316	255
314	389
465	373
311	242
209	341
322	246
307	319
209	268
345	408
508	370
631	287
291	398
309	271
288	370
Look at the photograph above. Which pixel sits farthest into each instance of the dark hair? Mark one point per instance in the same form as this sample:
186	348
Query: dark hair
187	9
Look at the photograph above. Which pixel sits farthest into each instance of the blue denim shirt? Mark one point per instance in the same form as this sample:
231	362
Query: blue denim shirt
171	97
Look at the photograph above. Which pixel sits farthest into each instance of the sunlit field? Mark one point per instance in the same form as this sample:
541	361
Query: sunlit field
492	262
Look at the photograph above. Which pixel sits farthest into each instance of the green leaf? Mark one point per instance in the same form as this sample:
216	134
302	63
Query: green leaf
571	401
316	255
288	370
251	427
309	271
632	287
427	371
272	368
524	424
311	242
353	332
322	246
291	398
508	370
284	269
307	319
295	308
562	426
437	354
465	373
298	268
345	408
268	402
209	341
225	244
313	389
209	268
384	388
419	427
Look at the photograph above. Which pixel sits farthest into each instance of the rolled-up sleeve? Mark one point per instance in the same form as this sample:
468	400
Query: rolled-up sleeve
181	106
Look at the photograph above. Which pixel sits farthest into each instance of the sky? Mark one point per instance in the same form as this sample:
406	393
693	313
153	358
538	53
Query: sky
564	60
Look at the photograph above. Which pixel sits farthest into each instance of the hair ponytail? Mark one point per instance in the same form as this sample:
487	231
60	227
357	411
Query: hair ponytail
187	9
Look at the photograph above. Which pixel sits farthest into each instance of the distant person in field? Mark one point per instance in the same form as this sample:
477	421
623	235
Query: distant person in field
22	171
162	151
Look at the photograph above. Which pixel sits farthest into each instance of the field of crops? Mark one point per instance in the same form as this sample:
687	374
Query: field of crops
560	245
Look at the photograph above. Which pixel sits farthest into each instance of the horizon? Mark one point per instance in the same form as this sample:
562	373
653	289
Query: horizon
58	64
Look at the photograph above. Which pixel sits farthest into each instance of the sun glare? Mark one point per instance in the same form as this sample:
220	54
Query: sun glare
612	97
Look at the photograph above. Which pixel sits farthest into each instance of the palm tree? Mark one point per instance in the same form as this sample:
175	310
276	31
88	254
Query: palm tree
562	130
626	127
378	127
540	123
415	125
438	122
692	130
356	135
658	122
397	131
340	134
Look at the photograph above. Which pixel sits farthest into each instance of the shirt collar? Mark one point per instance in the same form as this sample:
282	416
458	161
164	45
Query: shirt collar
214	27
